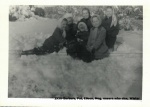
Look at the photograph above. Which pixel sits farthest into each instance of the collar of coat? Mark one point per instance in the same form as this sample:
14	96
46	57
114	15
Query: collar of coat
86	20
108	18
100	27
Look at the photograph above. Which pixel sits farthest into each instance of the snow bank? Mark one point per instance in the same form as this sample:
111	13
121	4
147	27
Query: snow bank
23	12
58	75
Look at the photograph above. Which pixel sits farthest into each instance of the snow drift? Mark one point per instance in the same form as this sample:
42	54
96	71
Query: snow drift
58	75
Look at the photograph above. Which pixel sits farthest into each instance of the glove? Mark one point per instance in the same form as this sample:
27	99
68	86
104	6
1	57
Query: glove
79	40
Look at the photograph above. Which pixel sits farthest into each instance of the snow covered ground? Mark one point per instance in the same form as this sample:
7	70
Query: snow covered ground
58	75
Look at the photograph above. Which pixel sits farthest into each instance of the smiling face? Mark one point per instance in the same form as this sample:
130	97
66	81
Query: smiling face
82	27
109	12
70	20
85	14
96	22
63	24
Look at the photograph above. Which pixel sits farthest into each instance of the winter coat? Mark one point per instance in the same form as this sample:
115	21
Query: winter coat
71	32
87	22
82	52
76	49
55	40
99	46
84	35
111	32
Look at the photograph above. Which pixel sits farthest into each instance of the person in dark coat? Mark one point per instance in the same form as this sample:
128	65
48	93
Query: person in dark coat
82	34
74	48
111	25
82	39
71	29
86	18
52	44
78	48
96	41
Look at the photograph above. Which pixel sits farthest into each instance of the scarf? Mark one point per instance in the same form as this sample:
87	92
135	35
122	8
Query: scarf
64	33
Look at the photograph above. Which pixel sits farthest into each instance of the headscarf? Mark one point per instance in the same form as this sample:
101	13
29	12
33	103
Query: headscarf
88	12
67	15
98	17
59	26
60	21
114	18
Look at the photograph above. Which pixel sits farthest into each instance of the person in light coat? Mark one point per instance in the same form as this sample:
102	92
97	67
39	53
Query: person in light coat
96	42
110	23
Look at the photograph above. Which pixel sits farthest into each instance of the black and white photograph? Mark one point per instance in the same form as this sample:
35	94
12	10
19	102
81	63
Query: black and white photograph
75	52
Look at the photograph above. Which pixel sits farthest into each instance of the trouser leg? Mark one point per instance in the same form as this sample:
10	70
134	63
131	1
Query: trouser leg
38	51
110	42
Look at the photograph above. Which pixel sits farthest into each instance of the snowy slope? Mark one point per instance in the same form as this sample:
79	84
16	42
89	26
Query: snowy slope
58	75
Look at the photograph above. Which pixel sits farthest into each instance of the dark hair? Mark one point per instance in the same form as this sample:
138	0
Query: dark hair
65	20
109	7
87	11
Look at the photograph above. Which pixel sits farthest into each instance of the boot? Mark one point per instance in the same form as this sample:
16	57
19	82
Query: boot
28	52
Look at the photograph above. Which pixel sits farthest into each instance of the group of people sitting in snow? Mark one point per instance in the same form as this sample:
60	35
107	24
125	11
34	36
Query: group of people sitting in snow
92	38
